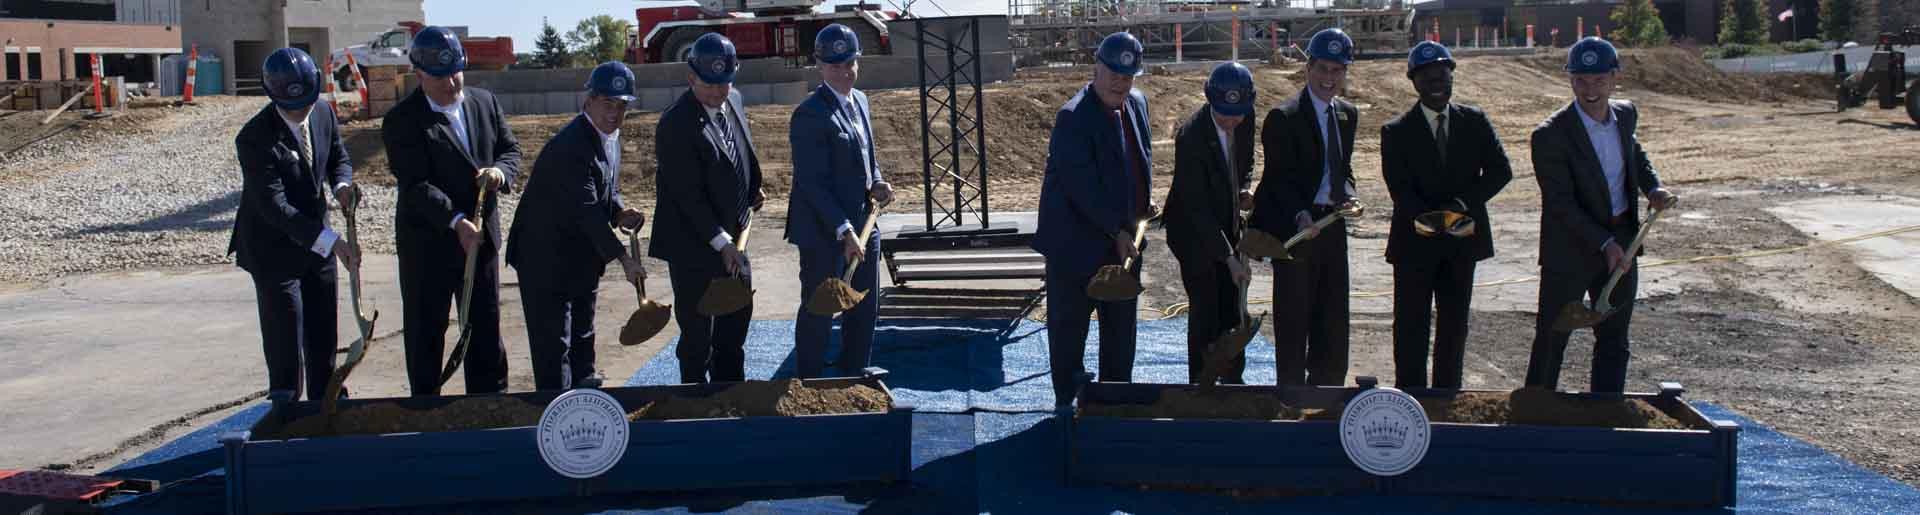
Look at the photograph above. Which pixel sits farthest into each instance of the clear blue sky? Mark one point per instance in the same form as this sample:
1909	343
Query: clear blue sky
520	19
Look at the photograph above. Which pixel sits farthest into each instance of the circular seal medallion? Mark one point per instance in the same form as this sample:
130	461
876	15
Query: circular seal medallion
296	90
1384	431
719	66
446	58
619	83
582	433
1590	58
1233	96
840	47
1336	47
1126	59
1429	51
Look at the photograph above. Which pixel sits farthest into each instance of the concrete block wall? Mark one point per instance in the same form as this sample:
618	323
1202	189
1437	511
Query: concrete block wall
216	24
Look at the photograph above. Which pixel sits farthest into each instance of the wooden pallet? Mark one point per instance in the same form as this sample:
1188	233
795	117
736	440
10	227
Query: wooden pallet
40	491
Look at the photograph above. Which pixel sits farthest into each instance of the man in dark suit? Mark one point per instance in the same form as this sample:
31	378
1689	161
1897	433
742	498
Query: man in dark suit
1099	168
290	156
1308	176
836	182
1589	165
1438	156
709	185
1212	181
563	237
446	143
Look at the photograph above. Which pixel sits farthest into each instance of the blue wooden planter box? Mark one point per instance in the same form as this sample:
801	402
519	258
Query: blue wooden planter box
1694	467
413	469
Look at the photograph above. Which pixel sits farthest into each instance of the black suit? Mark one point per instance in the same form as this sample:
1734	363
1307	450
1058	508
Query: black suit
704	189
1203	230
283	214
561	242
1310	291
436	183
1436	273
1576	221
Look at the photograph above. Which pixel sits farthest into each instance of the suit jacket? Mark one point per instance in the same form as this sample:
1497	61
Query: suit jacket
283	203
831	173
1475	169
1203	209
562	236
1574	200
701	191
1087	194
1295	161
436	177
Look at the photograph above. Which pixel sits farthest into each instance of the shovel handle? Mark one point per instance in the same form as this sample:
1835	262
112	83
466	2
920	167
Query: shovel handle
633	249
1604	303
866	232
1318	225
1139	237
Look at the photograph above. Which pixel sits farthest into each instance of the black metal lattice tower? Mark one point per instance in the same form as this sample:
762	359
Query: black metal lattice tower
953	143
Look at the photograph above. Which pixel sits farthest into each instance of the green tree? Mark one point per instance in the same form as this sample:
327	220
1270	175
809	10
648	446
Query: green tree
598	39
1838	19
1637	24
550	51
1743	22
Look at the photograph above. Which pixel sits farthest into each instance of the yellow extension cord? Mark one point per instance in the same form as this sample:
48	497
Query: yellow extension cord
1180	308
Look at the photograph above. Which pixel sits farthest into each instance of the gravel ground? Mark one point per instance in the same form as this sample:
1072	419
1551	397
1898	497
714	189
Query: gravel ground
152	188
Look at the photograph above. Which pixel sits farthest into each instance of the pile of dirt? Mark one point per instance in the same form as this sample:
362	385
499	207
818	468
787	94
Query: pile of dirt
1537	407
1200	403
1682	72
1525	406
768	399
833	297
487	412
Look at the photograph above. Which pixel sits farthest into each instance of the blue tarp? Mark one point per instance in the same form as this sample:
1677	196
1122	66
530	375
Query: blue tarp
986	441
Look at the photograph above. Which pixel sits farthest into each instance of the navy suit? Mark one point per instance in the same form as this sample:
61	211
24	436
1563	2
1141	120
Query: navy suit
704	189
436	183
1576	220
1435	274
833	168
283	211
1310	291
1095	188
561	242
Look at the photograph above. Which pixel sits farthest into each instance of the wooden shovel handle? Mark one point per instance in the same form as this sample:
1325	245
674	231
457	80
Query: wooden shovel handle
866	232
633	249
1139	237
1606	293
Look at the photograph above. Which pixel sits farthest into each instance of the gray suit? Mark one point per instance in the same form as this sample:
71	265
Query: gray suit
1575	223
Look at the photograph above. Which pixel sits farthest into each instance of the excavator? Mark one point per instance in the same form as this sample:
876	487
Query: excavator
1885	76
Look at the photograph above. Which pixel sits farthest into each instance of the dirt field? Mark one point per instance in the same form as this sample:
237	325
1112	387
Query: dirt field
1808	343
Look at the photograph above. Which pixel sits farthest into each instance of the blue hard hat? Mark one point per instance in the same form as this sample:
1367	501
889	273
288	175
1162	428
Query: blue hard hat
713	59
1121	52
1428	52
293	82
836	44
1230	89
1592	55
437	51
612	79
1332	45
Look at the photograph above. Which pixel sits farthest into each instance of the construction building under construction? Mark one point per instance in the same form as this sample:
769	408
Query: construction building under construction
1049	31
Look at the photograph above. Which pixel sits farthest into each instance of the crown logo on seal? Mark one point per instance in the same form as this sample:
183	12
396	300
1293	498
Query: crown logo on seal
619	83
1336	47
446	58
719	66
1590	58
1233	96
296	90
1429	51
839	47
1384	435
578	438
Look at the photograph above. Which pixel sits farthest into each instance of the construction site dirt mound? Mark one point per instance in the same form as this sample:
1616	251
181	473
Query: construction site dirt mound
768	399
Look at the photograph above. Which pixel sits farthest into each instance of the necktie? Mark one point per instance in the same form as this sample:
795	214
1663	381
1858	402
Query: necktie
306	144
1337	186
1440	135
726	135
860	134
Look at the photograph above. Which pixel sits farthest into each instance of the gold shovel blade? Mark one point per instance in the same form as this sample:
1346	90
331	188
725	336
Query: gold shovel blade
1114	284
1576	315
646	322
725	296
834	297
